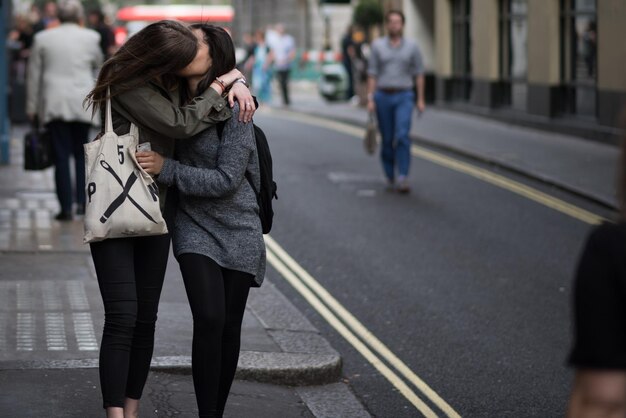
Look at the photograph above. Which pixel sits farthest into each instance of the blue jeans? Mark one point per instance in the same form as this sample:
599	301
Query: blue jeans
394	111
67	140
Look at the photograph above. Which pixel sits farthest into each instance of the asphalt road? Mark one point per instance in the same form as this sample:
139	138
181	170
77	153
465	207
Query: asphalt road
467	283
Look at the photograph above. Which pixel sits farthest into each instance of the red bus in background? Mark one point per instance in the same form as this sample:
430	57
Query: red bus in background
134	18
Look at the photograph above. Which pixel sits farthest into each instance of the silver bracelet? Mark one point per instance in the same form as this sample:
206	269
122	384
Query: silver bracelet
242	80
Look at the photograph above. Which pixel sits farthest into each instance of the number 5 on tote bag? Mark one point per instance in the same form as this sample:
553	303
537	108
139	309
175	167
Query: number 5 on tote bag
122	199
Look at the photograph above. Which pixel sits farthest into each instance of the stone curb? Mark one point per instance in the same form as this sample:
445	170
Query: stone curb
292	369
519	170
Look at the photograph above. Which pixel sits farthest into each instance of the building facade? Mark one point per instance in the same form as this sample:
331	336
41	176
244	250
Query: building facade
558	64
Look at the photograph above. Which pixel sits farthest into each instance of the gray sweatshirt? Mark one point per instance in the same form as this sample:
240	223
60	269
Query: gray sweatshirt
218	214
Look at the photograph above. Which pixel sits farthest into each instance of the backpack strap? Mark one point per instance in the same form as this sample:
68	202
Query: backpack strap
220	128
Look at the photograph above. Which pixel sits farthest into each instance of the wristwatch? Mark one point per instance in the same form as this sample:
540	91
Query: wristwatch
241	80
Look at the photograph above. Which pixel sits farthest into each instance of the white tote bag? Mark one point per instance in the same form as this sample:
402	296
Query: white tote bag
122	199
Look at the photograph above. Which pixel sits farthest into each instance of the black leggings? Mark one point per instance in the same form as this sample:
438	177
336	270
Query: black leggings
130	275
217	297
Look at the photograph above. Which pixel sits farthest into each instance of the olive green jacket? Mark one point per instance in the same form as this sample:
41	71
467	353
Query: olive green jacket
160	118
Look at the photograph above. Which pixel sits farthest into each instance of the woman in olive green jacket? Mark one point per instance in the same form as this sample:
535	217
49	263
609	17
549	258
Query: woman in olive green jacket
143	77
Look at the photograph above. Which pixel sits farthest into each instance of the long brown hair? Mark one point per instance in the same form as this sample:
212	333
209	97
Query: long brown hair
222	52
156	52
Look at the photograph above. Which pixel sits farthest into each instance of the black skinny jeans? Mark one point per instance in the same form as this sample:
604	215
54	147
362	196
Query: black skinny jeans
217	297
130	275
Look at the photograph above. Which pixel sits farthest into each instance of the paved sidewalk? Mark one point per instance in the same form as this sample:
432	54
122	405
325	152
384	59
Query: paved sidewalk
580	166
51	319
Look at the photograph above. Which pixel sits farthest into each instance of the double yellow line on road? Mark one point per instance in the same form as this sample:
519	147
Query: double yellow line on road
370	347
508	184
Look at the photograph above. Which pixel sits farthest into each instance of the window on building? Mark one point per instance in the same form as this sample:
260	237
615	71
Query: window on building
514	52
461	49
579	35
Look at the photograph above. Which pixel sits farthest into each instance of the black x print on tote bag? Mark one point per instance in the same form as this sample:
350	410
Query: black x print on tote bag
122	199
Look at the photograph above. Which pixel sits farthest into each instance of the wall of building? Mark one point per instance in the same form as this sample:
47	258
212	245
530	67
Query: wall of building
611	59
443	39
547	92
420	22
544	49
485	44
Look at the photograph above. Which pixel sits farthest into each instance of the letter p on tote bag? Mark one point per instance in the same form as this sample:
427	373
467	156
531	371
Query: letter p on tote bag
122	199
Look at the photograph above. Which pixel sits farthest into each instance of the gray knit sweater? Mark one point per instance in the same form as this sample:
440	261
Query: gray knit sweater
218	214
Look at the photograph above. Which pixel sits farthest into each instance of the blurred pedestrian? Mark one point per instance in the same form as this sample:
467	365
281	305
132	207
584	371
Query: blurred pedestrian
217	236
143	78
249	44
590	48
50	18
61	71
284	49
395	69
348	53
107	38
261	62
19	42
599	348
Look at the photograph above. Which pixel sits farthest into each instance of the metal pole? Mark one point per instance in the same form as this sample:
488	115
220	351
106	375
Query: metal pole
4	81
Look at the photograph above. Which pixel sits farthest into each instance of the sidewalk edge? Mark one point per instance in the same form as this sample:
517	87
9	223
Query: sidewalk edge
292	369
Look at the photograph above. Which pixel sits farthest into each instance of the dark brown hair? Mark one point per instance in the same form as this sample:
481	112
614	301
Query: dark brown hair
395	12
221	51
157	51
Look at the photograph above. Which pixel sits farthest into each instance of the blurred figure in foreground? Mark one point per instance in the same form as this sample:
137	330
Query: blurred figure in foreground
395	67
61	71
599	350
284	48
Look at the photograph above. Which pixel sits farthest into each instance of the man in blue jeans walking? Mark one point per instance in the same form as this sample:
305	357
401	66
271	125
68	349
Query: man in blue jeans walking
395	73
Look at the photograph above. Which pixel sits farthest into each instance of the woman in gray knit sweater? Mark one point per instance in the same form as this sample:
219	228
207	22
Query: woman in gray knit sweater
217	233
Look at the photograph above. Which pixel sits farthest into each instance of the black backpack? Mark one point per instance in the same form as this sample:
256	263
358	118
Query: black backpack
268	185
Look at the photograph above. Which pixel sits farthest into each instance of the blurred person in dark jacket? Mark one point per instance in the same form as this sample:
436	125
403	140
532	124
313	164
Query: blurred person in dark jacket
348	53
49	19
107	38
61	70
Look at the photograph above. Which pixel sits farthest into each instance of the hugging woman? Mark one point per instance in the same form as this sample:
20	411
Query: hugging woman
144	80
217	233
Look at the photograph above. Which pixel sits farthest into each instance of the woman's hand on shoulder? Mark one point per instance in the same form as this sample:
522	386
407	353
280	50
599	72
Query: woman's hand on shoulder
246	103
240	92
150	161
